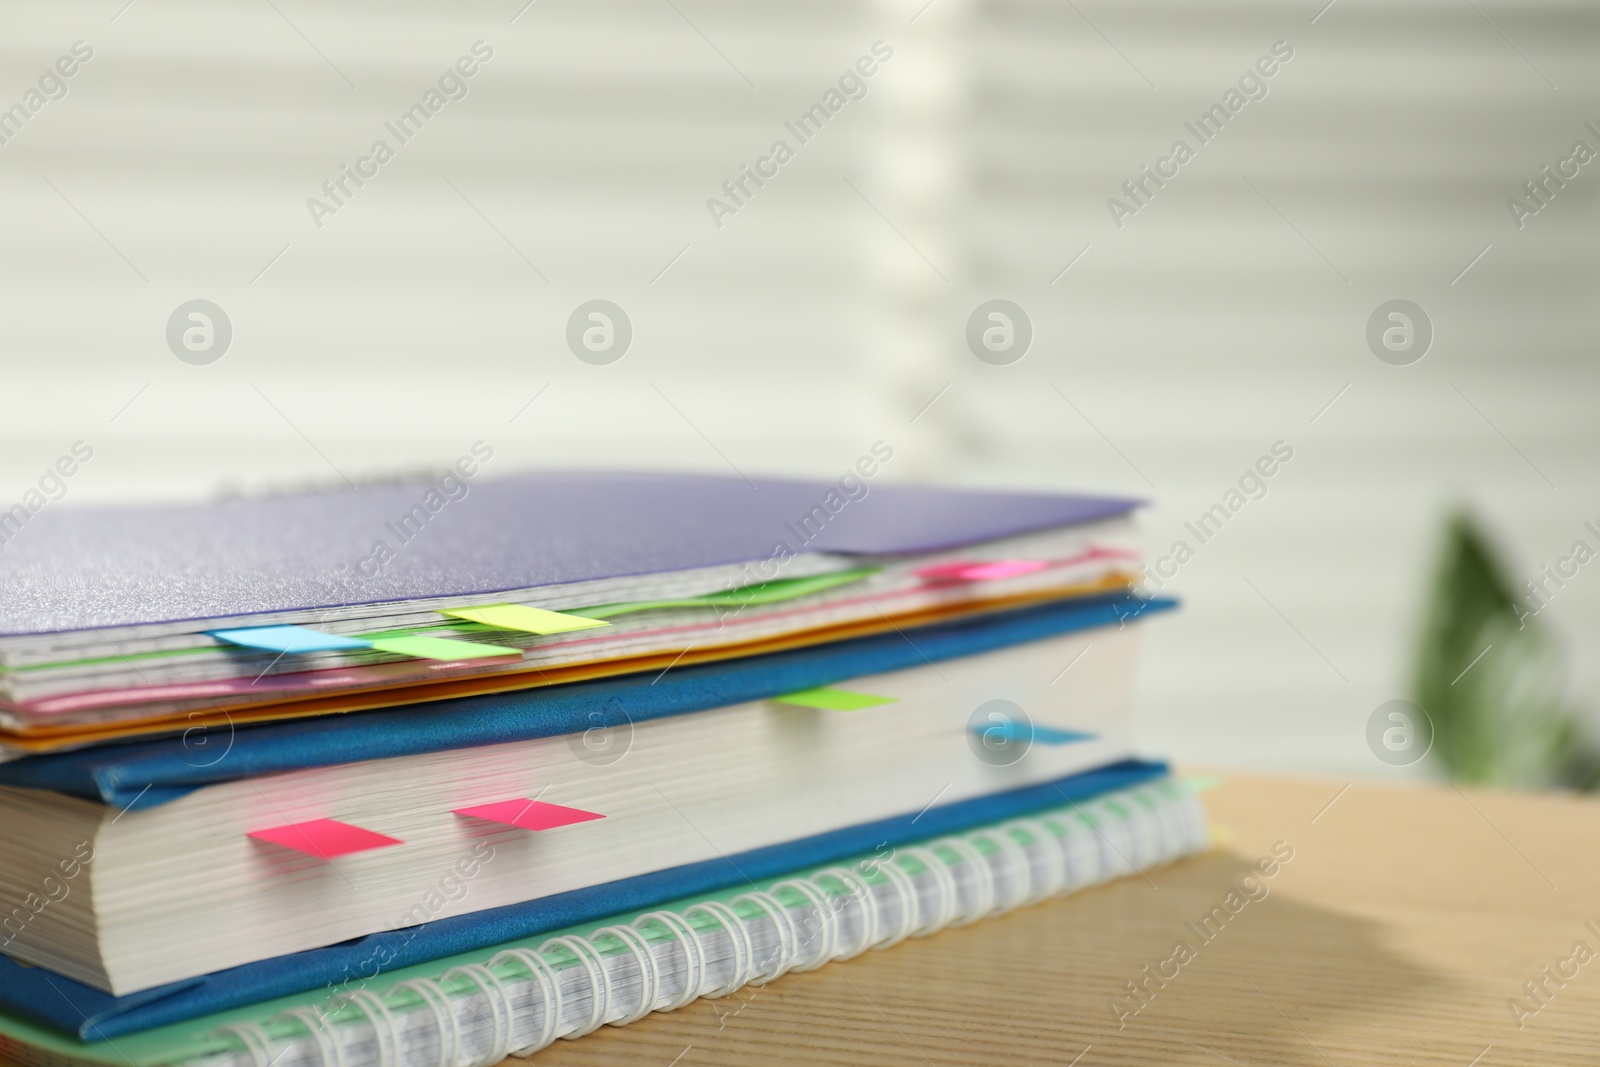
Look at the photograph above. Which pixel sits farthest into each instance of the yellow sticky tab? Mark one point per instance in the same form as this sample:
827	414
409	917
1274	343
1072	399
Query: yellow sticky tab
440	648
527	620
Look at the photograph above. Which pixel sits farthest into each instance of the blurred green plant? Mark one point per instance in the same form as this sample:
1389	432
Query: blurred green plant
1490	676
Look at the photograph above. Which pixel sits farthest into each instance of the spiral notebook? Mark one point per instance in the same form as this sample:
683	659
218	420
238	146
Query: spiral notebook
475	1009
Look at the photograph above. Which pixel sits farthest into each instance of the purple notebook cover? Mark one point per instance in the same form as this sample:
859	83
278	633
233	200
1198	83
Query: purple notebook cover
84	568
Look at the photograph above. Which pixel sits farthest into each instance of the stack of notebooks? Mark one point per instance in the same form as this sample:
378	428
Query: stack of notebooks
433	775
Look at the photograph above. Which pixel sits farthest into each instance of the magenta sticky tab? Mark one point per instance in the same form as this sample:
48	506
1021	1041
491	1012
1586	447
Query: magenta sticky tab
966	571
528	814
934	572
325	839
1005	568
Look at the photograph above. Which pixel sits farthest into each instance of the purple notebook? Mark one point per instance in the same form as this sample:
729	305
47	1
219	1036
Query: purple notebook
66	568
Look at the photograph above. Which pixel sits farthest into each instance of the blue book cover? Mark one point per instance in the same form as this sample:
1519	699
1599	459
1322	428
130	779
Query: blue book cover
93	1015
143	774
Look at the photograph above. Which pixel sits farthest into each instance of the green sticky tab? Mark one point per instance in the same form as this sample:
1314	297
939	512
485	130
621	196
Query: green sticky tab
834	699
528	620
746	596
441	648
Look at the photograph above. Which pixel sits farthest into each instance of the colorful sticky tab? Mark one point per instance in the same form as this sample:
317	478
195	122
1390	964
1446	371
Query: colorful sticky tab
1049	735
325	839
440	648
529	814
1011	730
285	639
830	699
1005	568
948	571
526	619
967	571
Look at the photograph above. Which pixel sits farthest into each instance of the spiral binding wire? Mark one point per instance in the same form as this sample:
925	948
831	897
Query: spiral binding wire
523	1000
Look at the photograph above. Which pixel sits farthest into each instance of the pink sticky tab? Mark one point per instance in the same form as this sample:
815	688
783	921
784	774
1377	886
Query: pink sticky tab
945	571
1006	568
967	571
325	839
529	814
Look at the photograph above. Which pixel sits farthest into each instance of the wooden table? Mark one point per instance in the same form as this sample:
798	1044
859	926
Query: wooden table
1405	922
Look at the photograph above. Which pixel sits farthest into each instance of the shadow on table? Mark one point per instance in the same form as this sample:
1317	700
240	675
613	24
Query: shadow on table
1207	965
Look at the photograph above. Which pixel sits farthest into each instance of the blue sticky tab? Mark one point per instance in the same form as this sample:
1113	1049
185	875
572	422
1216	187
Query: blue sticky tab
288	639
1048	735
1023	732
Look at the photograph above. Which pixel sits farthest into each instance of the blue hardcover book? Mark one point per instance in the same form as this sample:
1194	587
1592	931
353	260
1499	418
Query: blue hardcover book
94	1015
599	796
144	774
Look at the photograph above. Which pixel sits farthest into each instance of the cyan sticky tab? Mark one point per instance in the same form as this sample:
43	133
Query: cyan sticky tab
1014	731
529	814
288	639
1049	735
523	618
325	839
440	648
830	699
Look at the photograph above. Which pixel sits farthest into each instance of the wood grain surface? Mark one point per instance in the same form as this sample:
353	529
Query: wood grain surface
1403	925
